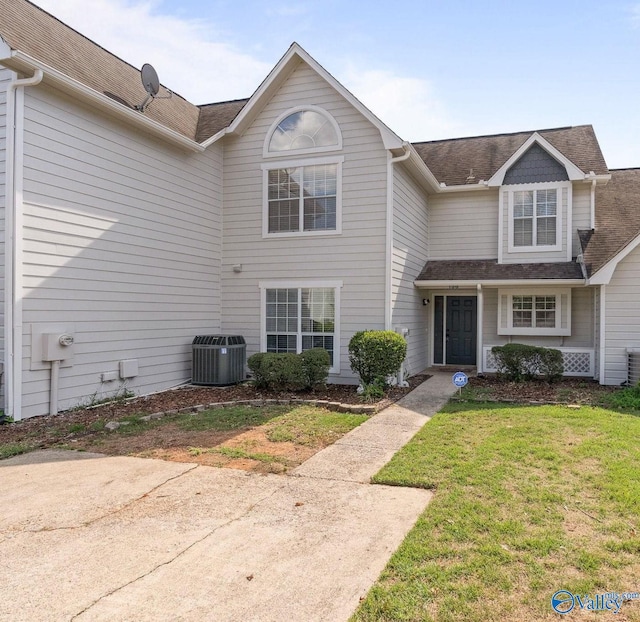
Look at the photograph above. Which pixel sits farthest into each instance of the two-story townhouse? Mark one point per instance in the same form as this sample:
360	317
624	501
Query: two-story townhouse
295	218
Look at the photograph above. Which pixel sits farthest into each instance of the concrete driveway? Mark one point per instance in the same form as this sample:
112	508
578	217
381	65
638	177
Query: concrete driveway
90	537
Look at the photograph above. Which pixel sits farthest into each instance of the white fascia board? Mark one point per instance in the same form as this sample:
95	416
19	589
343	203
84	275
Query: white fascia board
215	138
603	276
464	188
575	174
497	283
19	61
277	76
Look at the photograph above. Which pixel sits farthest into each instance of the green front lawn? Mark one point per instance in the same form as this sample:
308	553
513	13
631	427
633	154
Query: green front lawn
528	501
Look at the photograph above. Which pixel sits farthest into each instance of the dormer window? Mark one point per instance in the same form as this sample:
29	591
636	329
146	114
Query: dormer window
535	214
307	130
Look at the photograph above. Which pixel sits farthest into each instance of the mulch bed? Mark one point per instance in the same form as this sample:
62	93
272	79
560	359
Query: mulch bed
566	391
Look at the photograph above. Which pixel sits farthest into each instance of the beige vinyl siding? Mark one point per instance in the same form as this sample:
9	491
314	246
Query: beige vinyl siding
582	322
356	257
122	240
5	77
464	225
410	226
622	301
581	213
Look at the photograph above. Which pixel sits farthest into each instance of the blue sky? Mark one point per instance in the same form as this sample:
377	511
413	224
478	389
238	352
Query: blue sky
429	69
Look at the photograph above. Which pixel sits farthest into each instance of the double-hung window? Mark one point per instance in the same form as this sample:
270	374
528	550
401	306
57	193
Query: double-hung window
535	214
302	198
300	318
534	312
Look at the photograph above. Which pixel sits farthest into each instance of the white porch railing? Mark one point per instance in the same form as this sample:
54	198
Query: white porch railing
577	361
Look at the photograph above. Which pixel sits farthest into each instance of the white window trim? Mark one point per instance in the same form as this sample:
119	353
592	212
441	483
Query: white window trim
540	332
558	186
337	160
335	285
289	152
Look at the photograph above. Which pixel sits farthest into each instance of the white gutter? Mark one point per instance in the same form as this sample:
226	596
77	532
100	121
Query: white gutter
13	242
603	334
19	61
497	283
482	185
593	204
389	231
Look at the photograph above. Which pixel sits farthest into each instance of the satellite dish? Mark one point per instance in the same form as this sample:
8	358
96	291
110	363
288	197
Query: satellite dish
150	79
151	85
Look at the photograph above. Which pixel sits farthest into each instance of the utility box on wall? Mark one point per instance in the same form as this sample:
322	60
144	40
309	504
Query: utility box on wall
128	368
57	347
39	339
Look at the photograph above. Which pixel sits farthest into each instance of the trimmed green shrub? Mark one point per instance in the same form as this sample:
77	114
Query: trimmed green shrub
254	363
376	354
550	364
287	371
316	363
518	362
283	371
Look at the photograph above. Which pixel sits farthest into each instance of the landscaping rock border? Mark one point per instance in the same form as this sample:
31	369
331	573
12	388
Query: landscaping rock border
356	409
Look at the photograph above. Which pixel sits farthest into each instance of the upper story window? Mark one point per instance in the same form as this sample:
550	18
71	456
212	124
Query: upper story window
535	216
302	195
303	199
305	130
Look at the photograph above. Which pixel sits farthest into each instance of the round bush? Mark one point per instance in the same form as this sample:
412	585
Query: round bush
376	354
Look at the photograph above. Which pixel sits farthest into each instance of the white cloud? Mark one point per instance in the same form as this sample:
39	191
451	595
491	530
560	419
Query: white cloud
407	105
189	55
192	59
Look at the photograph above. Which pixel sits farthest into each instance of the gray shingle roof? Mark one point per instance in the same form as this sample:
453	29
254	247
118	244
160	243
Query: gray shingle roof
491	270
451	160
215	117
617	219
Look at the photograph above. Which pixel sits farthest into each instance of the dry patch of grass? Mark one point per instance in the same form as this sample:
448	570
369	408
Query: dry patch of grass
269	439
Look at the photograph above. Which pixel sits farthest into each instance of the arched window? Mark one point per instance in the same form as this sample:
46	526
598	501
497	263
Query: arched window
301	131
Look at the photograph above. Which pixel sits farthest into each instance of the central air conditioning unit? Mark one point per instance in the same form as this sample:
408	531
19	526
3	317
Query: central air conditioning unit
633	366
218	360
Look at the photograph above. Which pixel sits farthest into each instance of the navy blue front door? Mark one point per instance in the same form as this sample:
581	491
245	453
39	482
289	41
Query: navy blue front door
461	330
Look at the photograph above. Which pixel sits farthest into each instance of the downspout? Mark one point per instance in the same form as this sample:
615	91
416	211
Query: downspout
603	334
389	262
479	315
593	204
13	242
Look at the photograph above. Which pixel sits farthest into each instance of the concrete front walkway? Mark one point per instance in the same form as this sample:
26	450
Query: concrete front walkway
89	537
